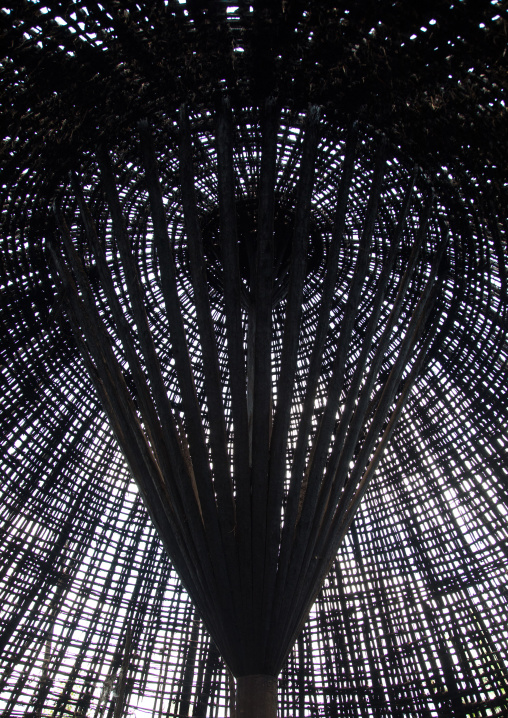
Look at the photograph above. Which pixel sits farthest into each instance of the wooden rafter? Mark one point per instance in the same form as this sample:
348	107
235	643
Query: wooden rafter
255	523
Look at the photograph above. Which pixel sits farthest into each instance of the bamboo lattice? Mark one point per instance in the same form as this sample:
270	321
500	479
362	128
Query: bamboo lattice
411	619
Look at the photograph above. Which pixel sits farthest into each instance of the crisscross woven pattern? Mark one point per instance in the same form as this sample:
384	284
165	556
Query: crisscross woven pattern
411	618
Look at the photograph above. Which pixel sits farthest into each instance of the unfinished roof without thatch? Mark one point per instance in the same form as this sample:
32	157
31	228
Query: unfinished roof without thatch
409	170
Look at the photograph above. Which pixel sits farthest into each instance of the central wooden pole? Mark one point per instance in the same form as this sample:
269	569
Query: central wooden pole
252	562
256	697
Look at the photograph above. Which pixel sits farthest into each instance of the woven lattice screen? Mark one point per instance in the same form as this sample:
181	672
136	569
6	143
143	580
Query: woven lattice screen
411	620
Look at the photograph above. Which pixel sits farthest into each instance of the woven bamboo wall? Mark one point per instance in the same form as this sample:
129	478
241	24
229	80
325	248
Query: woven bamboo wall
412	618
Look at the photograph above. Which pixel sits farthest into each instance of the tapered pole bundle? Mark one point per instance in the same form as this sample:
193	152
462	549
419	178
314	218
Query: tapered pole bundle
254	420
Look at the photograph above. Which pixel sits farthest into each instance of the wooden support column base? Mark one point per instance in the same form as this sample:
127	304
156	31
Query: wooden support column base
256	697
